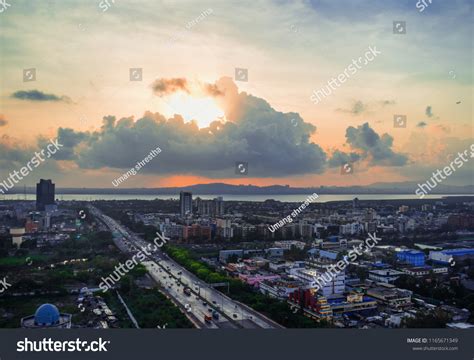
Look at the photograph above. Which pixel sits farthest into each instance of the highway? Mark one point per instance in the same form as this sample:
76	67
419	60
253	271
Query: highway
173	278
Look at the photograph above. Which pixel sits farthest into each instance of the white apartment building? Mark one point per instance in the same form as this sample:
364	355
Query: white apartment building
329	283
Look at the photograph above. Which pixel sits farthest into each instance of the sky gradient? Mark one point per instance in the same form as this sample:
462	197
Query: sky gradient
204	120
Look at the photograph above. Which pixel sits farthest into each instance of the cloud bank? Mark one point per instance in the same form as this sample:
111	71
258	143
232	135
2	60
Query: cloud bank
254	132
378	149
273	143
369	146
36	95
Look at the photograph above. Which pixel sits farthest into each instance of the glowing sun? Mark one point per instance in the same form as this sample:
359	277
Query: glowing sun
203	110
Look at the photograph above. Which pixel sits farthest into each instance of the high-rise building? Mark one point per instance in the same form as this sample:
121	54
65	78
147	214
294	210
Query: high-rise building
44	194
218	206
185	203
355	203
213	207
224	228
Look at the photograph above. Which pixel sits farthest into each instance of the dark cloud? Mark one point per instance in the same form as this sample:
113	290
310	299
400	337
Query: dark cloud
339	158
429	111
212	90
162	87
378	149
358	107
36	95
255	133
69	139
15	156
387	102
421	124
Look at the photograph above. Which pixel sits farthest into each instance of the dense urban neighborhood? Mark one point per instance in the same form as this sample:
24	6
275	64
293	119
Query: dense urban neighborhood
212	263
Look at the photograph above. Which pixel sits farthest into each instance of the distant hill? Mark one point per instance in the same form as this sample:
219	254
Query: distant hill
228	189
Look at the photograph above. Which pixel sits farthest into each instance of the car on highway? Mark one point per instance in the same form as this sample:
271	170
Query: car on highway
204	303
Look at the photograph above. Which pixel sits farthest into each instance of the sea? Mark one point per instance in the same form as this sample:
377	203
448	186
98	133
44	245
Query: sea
257	198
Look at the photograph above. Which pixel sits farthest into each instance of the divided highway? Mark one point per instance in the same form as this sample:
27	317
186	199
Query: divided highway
201	300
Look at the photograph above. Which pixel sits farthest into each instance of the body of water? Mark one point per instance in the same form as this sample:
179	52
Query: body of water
285	198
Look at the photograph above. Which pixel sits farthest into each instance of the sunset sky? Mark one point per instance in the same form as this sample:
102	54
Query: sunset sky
189	103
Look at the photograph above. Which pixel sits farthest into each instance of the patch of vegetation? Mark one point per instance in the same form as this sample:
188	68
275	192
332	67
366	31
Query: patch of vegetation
12	309
15	261
151	308
436	319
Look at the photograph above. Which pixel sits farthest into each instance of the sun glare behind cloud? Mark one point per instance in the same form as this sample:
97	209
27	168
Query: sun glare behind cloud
203	110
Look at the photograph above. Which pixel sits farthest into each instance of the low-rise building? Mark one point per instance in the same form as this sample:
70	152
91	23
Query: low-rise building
387	276
412	257
424	270
327	283
256	279
280	288
393	297
288	244
225	254
274	252
278	266
447	256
